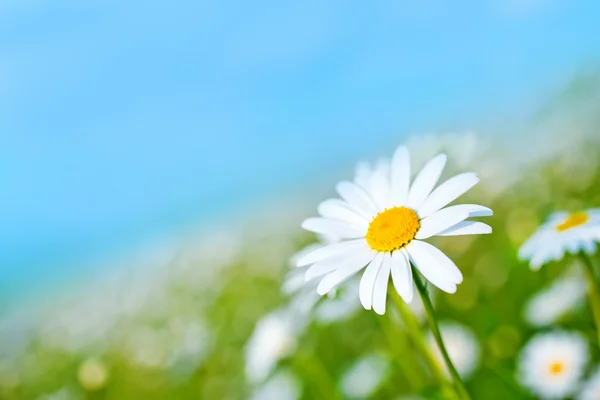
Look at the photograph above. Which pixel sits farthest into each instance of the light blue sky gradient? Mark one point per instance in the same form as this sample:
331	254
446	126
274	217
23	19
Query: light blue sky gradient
120	120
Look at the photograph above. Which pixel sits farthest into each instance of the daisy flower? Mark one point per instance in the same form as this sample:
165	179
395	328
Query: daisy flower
461	345
364	377
552	364
552	303
342	303
283	386
591	388
382	222
562	233
274	338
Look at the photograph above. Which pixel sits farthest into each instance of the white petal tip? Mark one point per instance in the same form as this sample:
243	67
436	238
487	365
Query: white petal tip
301	263
379	312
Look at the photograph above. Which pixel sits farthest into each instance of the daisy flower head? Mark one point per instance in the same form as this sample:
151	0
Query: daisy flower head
552	364
342	303
552	303
381	221
364	377
462	347
591	387
282	386
563	233
274	338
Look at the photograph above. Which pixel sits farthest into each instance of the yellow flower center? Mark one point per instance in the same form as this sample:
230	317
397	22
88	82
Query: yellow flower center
556	368
393	229
574	220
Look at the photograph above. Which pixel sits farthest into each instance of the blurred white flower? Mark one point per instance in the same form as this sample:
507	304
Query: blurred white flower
550	304
462	347
562	233
190	341
274	338
363	378
591	388
340	305
92	375
381	224
282	386
552	364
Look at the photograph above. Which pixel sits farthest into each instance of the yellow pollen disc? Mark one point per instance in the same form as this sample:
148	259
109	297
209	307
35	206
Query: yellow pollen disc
556	368
575	219
393	229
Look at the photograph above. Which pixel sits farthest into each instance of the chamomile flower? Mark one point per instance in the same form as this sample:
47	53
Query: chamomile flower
461	345
552	303
341	304
382	222
282	386
591	387
274	338
363	378
552	364
562	233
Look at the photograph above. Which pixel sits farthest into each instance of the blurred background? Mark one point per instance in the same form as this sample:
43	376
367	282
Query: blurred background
157	160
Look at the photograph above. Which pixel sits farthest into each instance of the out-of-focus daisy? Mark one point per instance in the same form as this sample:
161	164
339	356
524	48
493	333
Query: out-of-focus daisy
461	345
342	303
552	303
282	386
562	233
552	364
274	338
363	378
591	387
381	224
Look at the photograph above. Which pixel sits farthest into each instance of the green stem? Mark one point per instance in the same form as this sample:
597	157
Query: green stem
399	344
593	291
418	340
435	330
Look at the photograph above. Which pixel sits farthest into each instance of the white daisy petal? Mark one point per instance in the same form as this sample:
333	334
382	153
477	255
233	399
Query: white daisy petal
433	263
337	209
439	222
447	192
530	247
381	285
400	176
540	258
425	181
354	263
357	198
329	227
367	282
330	250
474	210
323	267
589	246
402	276
467	228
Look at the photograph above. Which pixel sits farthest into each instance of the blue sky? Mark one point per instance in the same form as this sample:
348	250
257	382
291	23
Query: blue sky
121	120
